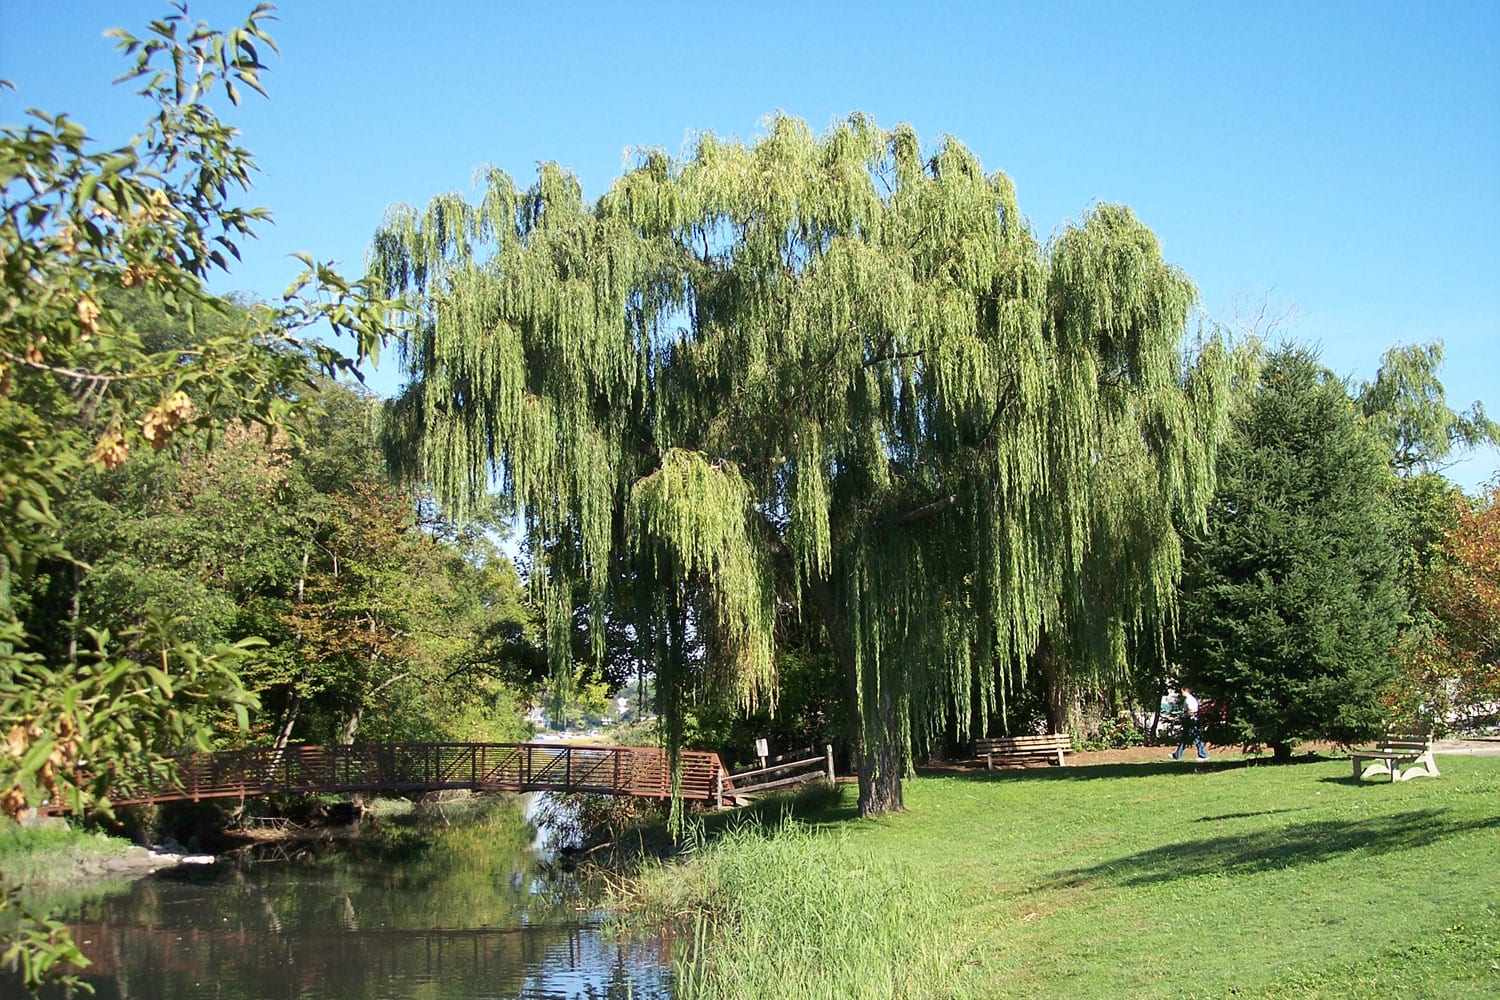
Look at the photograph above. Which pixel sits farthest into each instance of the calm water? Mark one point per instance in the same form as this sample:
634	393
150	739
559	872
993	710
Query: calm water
465	911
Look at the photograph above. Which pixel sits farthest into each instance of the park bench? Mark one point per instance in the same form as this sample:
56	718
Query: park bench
1023	748
1401	755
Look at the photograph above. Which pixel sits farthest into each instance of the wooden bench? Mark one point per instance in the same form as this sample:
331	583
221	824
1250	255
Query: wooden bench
1022	748
1401	755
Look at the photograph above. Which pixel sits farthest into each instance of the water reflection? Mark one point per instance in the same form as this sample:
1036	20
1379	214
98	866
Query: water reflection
462	911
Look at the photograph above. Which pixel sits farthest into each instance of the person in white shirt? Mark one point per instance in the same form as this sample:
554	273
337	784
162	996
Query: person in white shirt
1190	733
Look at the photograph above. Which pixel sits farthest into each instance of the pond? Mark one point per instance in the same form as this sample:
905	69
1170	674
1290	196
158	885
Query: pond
463	910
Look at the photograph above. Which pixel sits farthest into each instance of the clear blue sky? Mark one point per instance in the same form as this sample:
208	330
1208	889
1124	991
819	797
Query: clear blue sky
1339	159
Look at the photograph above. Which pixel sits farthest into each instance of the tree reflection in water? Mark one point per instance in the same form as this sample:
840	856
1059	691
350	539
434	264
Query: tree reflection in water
465	909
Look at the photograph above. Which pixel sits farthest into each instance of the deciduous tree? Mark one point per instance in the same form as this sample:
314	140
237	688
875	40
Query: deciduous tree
833	374
1453	671
79	385
1407	407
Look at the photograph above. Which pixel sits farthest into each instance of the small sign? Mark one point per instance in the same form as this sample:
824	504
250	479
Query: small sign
761	750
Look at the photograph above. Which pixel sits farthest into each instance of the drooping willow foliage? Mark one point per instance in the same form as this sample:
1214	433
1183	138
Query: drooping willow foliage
829	375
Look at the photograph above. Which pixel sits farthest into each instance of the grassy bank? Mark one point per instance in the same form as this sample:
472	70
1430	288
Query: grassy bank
51	856
1144	880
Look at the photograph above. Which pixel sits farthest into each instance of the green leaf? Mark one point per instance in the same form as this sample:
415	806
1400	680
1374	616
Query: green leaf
116	164
161	680
85	192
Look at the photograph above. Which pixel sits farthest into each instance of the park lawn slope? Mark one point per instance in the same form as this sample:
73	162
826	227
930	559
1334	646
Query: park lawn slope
1180	880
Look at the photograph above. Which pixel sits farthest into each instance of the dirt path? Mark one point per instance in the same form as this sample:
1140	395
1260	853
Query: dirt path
1152	754
1485	747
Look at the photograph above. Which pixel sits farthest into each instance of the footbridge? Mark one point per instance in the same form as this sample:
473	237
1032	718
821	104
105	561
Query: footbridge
430	767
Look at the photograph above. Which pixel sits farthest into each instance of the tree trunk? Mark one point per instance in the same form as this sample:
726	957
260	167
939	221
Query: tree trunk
880	763
1281	753
76	612
351	726
1059	699
293	709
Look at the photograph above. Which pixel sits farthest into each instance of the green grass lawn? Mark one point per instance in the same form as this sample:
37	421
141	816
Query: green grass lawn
1158	880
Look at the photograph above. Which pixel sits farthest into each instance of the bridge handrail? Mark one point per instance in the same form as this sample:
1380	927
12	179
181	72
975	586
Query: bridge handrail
431	766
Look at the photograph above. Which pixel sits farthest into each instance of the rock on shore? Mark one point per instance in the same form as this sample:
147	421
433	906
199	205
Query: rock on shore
138	861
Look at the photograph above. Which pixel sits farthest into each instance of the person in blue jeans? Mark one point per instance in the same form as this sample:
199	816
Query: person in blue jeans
1190	734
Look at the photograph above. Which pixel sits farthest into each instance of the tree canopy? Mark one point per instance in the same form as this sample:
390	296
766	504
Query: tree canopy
81	388
1291	600
829	373
1407	407
1452	678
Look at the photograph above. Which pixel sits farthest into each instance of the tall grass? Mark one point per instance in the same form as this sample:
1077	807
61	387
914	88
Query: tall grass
1152	880
788	911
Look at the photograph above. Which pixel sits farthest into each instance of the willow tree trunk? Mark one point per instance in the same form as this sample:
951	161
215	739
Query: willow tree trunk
1059	697
880	764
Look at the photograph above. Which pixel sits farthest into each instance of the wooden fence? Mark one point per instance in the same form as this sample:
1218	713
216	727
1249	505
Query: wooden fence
787	774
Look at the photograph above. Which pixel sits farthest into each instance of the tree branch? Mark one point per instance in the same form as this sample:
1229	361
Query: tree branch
74	374
921	513
895	356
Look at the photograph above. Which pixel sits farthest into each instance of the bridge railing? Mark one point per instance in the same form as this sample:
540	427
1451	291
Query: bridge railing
419	767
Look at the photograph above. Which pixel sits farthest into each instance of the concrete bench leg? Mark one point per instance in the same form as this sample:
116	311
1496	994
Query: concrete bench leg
1377	766
1423	767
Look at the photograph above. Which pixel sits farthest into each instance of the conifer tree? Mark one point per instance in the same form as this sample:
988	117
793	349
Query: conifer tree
820	375
1291	600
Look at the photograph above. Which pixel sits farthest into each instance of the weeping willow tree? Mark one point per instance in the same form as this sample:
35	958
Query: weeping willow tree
834	376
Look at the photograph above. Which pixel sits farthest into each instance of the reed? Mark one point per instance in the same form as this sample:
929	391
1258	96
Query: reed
787	910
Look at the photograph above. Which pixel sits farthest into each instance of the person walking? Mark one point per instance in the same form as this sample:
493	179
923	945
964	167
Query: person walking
1188	705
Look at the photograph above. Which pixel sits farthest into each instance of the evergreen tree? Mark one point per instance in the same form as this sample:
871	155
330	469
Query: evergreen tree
830	375
1291	600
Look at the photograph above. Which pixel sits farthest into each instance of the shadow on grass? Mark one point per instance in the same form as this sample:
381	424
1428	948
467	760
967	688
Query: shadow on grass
1349	781
1267	850
815	806
1247	815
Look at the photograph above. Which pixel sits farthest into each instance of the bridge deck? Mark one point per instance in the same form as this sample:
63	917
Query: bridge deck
427	767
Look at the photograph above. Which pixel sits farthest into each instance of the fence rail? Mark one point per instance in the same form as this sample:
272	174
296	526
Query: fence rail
426	767
792	772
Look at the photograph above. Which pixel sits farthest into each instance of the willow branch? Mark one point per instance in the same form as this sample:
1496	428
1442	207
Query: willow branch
894	356
917	514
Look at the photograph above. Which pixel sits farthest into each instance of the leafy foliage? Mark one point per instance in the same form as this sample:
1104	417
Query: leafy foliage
81	388
1408	409
1291	602
300	539
1452	678
79	385
827	374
